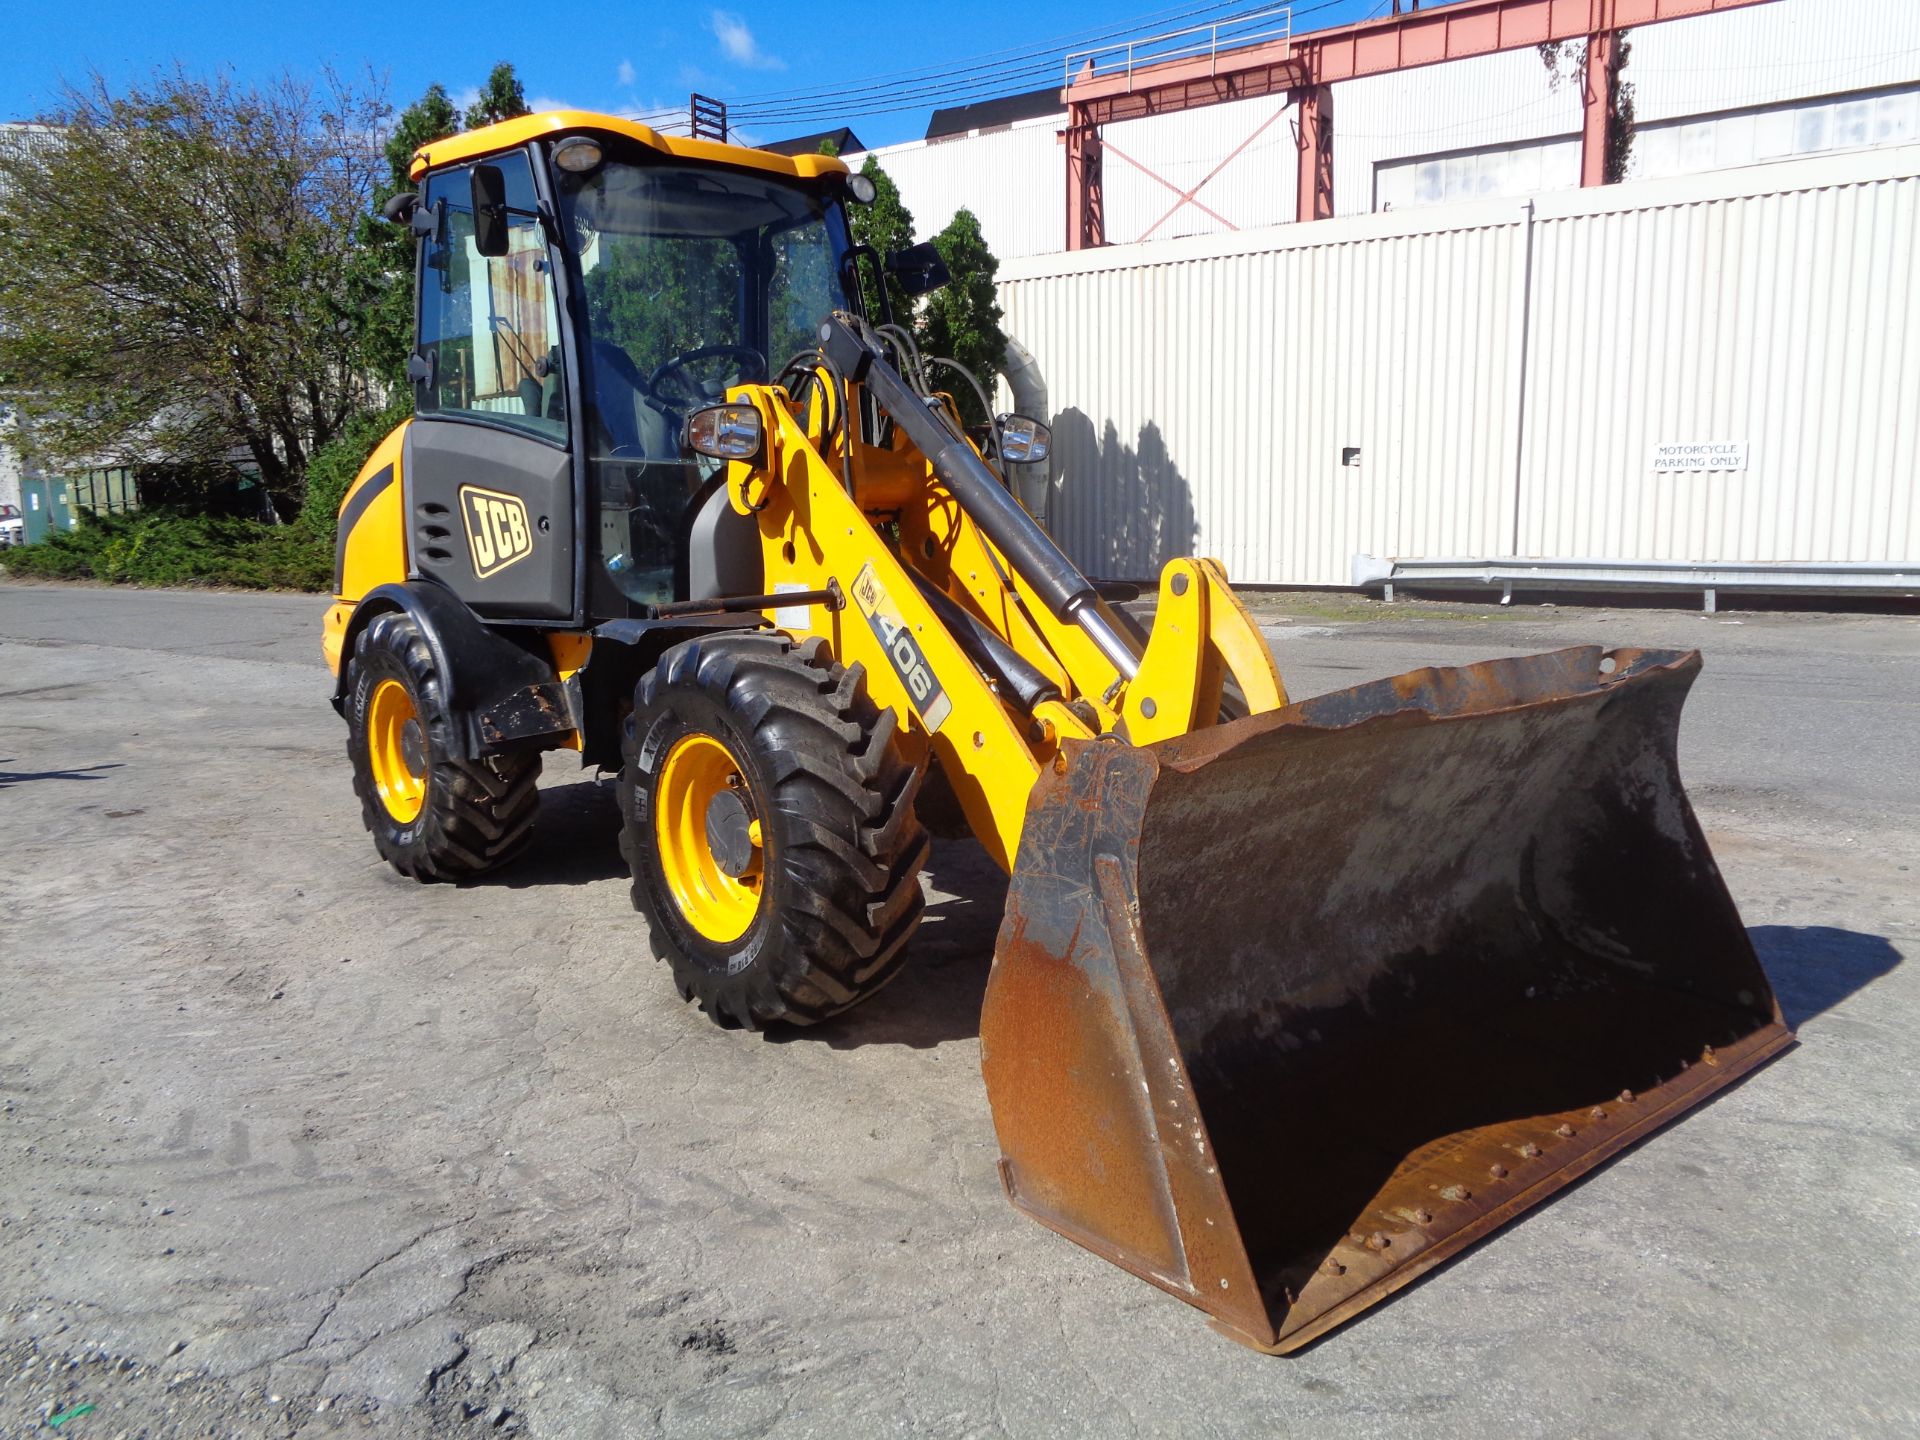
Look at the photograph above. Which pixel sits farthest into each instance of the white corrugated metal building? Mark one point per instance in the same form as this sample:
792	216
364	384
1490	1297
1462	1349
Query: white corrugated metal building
1483	381
1478	385
1791	78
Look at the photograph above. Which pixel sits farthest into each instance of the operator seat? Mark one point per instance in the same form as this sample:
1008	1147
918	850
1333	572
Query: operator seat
634	425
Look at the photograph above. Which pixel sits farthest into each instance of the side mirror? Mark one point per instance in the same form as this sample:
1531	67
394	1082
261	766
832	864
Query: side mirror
723	432
399	210
489	210
1024	440
918	268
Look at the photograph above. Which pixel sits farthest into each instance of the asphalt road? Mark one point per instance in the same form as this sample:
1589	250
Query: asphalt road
290	1145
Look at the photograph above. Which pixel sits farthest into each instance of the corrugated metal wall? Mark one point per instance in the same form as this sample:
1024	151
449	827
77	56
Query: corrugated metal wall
1204	390
1785	316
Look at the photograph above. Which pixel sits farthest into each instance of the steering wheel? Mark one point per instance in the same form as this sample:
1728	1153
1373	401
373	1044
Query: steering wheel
751	364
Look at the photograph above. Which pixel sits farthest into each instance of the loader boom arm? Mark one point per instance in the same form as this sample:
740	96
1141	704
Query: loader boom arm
968	557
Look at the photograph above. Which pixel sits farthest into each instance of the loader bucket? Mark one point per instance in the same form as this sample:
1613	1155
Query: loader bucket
1286	1012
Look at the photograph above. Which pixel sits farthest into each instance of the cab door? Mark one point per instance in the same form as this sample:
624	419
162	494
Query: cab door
489	477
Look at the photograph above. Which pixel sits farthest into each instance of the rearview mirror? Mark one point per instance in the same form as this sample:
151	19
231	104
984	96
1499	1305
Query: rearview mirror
918	268
489	210
1024	440
399	208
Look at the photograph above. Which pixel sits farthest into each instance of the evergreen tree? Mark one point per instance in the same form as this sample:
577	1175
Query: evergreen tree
962	319
383	266
886	225
501	98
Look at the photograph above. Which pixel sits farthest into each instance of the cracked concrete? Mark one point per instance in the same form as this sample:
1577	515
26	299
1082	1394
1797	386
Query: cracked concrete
291	1146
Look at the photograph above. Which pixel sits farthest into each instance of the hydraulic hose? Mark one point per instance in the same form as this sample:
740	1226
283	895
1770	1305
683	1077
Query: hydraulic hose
1067	593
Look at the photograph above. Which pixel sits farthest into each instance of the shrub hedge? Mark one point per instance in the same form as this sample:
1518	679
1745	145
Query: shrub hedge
170	547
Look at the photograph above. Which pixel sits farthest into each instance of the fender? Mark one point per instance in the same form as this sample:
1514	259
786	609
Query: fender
500	694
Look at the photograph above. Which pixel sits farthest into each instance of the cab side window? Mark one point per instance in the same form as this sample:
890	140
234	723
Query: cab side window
490	327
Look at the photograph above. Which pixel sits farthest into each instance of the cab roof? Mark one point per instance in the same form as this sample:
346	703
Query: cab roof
510	134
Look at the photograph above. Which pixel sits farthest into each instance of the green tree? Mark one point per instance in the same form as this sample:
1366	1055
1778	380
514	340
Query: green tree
501	98
886	225
382	277
1572	55
175	273
961	321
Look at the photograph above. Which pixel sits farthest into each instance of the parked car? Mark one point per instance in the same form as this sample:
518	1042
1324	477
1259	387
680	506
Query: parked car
13	526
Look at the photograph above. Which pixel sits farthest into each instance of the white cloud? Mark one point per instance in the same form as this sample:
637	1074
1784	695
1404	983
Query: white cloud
539	104
466	97
625	73
737	42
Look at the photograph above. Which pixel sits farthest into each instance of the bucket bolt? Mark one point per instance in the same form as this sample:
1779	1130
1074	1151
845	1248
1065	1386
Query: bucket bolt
1332	1266
1529	1151
1456	1192
1497	1170
1564	1131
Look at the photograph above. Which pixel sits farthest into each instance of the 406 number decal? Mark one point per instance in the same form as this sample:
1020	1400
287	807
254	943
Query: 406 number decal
909	660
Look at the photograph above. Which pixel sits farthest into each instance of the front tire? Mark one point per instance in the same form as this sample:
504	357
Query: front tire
768	820
433	815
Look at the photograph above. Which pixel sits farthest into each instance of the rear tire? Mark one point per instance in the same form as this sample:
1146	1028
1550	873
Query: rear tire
747	733
433	816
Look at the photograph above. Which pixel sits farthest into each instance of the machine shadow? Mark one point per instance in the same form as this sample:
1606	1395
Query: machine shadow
86	772
576	840
936	996
1815	967
1137	482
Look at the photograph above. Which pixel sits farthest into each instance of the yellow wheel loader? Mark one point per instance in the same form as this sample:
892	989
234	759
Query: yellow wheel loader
1290	1001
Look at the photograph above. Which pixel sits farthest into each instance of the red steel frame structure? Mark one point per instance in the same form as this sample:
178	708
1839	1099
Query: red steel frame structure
1305	67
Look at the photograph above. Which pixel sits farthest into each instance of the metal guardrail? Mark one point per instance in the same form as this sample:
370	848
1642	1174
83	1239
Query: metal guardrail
1707	577
1124	57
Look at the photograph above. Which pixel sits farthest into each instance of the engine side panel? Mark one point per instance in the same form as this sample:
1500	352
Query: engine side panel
370	545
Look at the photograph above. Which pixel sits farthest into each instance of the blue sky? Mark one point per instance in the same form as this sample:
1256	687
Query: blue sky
626	58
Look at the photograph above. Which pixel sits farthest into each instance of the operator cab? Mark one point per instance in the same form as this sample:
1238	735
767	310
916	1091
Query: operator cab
693	278
584	286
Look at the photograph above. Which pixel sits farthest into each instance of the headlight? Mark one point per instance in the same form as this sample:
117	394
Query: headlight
577	154
860	187
724	432
1023	440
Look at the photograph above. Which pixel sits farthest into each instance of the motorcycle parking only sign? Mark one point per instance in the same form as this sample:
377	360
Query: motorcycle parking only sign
1700	455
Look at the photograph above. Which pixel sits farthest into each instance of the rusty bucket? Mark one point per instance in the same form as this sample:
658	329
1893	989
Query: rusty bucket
1286	1012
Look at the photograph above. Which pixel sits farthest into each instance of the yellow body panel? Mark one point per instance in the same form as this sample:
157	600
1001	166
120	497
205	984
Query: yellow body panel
372	548
333	633
813	533
510	134
374	551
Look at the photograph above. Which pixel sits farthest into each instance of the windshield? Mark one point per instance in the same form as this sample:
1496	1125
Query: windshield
693	279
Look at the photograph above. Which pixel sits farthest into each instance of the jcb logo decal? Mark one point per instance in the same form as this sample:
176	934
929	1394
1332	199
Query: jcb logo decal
909	661
497	530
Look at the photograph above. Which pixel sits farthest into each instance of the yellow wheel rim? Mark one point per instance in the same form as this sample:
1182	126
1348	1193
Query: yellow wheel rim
718	899
397	751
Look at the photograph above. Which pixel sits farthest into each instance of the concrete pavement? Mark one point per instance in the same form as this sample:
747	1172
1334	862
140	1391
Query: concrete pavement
294	1146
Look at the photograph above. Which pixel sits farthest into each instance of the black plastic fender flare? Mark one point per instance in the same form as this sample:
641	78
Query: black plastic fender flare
481	668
